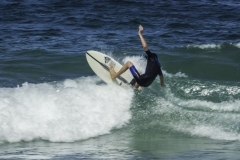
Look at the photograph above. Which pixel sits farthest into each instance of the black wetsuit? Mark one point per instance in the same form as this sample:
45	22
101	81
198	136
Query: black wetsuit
153	69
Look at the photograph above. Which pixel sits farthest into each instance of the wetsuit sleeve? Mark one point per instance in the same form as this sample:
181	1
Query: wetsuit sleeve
149	53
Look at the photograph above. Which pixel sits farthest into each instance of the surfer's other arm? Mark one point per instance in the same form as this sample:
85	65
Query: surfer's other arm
144	43
162	81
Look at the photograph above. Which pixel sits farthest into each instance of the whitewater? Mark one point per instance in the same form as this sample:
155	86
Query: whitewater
62	111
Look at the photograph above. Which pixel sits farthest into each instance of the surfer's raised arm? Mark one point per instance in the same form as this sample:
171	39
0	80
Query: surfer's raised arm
144	43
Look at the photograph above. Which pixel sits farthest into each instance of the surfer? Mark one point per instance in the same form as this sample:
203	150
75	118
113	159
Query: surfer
153	68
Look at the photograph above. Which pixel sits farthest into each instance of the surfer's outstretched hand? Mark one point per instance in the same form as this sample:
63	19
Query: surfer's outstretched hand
140	29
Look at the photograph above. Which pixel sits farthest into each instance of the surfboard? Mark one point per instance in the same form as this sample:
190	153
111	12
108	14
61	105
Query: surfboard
100	63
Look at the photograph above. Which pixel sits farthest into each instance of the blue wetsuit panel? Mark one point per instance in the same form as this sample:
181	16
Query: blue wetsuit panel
133	71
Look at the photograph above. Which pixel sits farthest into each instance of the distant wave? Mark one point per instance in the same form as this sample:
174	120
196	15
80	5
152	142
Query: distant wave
213	46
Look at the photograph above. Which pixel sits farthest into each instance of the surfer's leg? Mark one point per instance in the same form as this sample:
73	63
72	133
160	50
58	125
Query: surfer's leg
122	70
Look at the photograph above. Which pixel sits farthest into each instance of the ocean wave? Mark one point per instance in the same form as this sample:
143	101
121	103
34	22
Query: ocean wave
207	109
196	117
62	112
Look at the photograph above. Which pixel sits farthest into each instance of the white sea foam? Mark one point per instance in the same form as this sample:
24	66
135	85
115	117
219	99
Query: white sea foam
200	117
205	46
62	112
138	61
238	45
178	74
223	106
211	46
209	89
213	132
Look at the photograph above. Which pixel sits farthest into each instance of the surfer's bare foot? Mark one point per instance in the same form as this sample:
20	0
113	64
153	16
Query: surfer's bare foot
138	87
112	72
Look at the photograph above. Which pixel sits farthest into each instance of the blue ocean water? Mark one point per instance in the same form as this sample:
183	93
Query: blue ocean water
53	106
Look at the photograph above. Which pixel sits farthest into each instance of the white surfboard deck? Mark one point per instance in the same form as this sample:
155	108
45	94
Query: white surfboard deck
100	64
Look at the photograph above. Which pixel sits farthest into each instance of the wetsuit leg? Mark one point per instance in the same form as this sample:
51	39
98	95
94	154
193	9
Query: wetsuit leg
135	74
134	71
